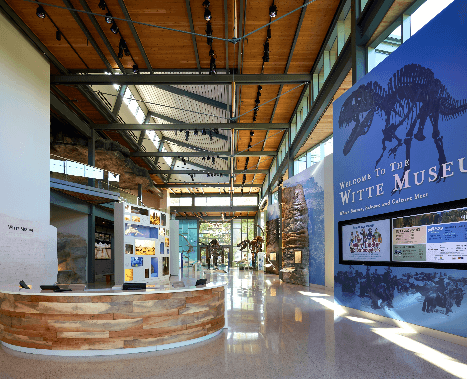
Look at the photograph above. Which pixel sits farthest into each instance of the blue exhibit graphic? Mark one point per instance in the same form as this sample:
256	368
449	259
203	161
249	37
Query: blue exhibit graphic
162	248
399	143
369	241
303	206
154	267
136	261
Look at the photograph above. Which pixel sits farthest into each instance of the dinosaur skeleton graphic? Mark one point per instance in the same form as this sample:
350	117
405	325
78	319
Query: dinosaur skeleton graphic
413	95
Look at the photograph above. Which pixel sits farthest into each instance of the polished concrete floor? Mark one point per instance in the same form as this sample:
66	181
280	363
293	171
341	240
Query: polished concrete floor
275	330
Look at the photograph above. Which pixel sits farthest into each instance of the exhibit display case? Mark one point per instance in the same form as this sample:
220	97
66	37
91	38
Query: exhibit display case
142	244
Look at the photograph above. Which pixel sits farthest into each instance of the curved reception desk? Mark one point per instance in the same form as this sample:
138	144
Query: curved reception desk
105	323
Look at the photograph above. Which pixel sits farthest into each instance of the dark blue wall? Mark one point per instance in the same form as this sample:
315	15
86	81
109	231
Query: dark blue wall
411	108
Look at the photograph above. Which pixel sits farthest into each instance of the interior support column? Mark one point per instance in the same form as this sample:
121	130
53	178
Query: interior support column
359	59
279	253
91	215
91	239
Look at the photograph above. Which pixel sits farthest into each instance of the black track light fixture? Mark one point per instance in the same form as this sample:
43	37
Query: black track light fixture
40	12
210	135
212	66
254	118
195	132
207	14
108	18
187	135
58	35
203	132
213	160
208	157
252	133
102	5
204	158
269	35
114	27
206	3
135	69
273	10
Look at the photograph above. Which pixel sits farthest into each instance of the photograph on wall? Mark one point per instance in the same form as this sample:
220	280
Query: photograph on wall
298	256
136	261
167	232
127	208
162	231
102	250
161	248
167	242
127	218
154	267
107	237
139	211
128	248
368	241
155	218
163	219
165	266
133	230
128	274
135	218
146	273
153	232
145	247
272	256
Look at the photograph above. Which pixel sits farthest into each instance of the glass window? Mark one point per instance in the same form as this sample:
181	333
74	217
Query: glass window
174	201
186	201
328	146
200	201
218	201
219	231
426	12
245	201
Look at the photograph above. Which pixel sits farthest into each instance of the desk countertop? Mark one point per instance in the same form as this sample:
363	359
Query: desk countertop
104	292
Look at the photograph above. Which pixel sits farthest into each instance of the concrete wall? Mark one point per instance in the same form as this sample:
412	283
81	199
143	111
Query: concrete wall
69	221
29	244
25	128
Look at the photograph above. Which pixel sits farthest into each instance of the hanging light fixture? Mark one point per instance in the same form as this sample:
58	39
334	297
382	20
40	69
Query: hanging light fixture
114	27
40	12
108	18
102	5
272	10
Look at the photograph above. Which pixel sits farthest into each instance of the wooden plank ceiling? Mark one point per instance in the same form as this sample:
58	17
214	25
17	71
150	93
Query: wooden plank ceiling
172	51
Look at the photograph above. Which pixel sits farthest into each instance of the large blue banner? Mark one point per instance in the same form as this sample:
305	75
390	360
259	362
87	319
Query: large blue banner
400	142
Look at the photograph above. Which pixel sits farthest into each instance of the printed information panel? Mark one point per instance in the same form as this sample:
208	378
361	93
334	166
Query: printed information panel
369	241
441	239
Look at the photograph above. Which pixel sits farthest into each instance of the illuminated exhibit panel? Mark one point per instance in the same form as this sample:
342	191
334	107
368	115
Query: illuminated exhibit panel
368	241
436	237
142	244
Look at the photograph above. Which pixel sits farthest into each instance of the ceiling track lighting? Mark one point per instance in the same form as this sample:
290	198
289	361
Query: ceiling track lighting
273	10
195	132
269	35
207	14
102	5
108	18
114	27
40	12
135	69
58	35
